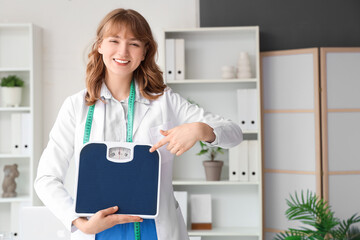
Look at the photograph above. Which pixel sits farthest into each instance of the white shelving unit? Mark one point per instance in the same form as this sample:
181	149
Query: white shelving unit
20	46
236	206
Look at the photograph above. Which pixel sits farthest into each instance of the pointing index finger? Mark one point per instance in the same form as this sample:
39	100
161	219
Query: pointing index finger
159	144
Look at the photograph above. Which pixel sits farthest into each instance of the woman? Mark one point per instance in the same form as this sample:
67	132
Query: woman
124	53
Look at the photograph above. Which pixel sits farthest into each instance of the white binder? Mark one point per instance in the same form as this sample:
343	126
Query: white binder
16	133
252	110
253	161
200	208
247	109
170	59
179	59
238	162
242	103
25	133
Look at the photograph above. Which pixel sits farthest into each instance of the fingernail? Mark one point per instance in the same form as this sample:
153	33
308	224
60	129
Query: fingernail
115	207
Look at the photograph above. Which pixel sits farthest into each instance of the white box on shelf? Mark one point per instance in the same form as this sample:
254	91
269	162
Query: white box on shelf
179	59
201	214
239	163
182	198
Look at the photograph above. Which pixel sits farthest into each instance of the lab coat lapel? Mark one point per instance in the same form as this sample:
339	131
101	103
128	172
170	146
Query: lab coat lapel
97	129
139	114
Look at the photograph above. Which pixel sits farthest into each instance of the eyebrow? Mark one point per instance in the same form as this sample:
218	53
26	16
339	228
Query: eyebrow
132	39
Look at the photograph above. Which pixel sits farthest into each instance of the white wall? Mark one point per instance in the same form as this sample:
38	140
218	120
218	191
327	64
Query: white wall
68	28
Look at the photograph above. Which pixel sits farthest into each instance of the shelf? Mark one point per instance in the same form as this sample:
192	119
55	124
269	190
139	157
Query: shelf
227	231
20	198
213	29
236	80
14	109
212	183
9	155
14	69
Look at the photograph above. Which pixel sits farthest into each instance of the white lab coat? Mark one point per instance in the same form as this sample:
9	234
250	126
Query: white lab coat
66	141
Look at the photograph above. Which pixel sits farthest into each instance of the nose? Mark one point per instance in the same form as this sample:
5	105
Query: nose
123	49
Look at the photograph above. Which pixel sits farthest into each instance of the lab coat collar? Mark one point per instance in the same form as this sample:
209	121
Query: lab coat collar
141	108
106	94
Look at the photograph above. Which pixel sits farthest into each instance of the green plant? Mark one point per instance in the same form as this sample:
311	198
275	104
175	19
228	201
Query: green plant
316	213
12	81
211	151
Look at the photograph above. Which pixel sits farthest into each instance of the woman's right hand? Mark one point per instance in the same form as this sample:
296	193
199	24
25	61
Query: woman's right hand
103	220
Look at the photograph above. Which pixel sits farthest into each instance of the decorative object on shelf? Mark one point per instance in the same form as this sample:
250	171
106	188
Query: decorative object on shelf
227	72
316	212
9	185
243	67
201	214
11	91
212	167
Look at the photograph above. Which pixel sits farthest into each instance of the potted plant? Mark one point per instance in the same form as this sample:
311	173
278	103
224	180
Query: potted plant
11	90
212	167
316	213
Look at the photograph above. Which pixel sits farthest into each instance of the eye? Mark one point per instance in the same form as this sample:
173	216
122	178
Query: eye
135	44
113	41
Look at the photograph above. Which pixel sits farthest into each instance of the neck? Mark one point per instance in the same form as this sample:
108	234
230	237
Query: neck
119	88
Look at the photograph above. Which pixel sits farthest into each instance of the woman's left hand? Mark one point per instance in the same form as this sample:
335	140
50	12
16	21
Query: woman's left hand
183	137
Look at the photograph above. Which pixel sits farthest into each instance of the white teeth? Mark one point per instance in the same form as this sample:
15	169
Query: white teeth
120	61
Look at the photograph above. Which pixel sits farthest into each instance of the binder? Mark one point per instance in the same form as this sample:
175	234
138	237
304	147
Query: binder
242	107
170	59
26	124
247	109
253	161
252	110
16	128
119	174
239	163
181	197
180	59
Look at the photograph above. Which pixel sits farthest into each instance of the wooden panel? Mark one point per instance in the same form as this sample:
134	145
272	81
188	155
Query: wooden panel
278	188
343	79
343	133
344	195
339	111
288	81
290	141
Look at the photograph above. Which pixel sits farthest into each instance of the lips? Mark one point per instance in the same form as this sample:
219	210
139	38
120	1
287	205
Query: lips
121	61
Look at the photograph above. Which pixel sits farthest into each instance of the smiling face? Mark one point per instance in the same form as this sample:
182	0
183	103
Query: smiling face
122	53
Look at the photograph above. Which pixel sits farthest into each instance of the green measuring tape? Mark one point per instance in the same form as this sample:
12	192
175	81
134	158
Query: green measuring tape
129	133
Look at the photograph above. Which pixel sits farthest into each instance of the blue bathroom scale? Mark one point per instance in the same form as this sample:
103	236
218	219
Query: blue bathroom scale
122	174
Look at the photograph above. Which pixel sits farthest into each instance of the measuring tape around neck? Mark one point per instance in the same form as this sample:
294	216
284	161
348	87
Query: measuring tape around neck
129	133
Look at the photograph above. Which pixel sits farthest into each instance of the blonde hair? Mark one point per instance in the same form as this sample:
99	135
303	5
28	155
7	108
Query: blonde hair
148	75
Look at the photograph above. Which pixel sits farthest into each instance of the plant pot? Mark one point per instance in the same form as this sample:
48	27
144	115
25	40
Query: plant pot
11	96
213	170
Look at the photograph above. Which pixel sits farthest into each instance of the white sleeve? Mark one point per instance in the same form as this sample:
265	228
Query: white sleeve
54	163
228	134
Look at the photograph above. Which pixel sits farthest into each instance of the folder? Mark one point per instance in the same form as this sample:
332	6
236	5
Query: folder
16	128
238	162
180	59
253	161
242	107
26	133
252	110
119	174
247	102
170	59
182	197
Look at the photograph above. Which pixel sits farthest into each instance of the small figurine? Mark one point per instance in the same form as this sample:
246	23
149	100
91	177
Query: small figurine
9	184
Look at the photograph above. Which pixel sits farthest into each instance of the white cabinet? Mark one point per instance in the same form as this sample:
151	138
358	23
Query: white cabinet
236	206
20	55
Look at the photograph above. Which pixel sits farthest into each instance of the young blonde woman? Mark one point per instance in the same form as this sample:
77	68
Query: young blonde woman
123	60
